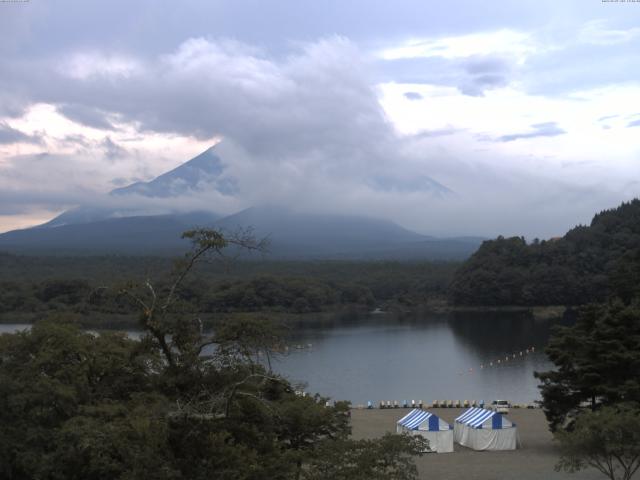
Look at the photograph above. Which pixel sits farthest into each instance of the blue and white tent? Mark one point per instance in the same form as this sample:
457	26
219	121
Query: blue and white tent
482	429
430	426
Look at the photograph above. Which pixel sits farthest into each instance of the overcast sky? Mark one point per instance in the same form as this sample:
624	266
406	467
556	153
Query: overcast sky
450	117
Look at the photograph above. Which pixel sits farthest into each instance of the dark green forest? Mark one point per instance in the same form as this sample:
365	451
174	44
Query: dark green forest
589	264
177	404
89	287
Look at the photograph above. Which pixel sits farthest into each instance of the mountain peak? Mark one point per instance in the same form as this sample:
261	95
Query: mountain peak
200	174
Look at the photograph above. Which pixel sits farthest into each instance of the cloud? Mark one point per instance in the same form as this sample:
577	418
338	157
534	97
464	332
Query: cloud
484	72
9	135
294	129
597	32
301	119
96	64
408	184
60	182
634	123
439	132
86	115
39	181
412	96
504	42
457	61
112	150
546	129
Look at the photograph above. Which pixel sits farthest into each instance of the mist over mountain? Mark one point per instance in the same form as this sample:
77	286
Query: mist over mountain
206	171
203	173
123	225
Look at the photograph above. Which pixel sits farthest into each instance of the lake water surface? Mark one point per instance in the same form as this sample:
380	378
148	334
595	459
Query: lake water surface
430	357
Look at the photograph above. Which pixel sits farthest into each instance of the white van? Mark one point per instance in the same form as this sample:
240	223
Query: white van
500	406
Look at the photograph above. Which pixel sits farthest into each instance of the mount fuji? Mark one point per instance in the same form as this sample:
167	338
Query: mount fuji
130	229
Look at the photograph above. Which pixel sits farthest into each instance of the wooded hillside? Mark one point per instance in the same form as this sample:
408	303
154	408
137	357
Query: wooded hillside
588	264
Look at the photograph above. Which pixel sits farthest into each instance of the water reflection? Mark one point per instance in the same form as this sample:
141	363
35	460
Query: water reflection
429	357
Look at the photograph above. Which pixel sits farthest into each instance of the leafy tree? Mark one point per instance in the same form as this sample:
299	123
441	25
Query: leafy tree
607	440
50	379
597	361
389	458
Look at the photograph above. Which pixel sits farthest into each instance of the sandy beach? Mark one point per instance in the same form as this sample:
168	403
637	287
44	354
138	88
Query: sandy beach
534	461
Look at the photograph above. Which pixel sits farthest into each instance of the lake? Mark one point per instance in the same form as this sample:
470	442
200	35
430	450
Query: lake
429	357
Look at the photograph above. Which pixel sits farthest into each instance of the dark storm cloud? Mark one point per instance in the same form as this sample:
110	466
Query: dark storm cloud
546	129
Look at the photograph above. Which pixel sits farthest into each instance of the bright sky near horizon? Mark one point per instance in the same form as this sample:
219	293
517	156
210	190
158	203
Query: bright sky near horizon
451	118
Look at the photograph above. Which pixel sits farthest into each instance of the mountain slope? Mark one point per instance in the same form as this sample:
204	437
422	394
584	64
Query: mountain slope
156	234
291	236
322	232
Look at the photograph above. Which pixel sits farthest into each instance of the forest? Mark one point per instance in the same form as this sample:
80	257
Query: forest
90	287
589	264
83	405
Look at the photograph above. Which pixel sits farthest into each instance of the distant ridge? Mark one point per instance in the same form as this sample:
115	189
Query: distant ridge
157	234
291	236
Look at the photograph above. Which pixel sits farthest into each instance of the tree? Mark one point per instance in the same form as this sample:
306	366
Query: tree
389	458
180	403
597	361
62	391
181	339
589	264
607	440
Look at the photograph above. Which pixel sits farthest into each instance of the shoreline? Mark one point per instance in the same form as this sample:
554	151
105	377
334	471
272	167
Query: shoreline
539	312
126	321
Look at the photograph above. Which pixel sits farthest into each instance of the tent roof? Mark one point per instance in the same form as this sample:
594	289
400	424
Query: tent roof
415	418
475	417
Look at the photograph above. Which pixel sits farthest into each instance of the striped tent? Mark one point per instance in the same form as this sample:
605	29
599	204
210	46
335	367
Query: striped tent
430	426
482	429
